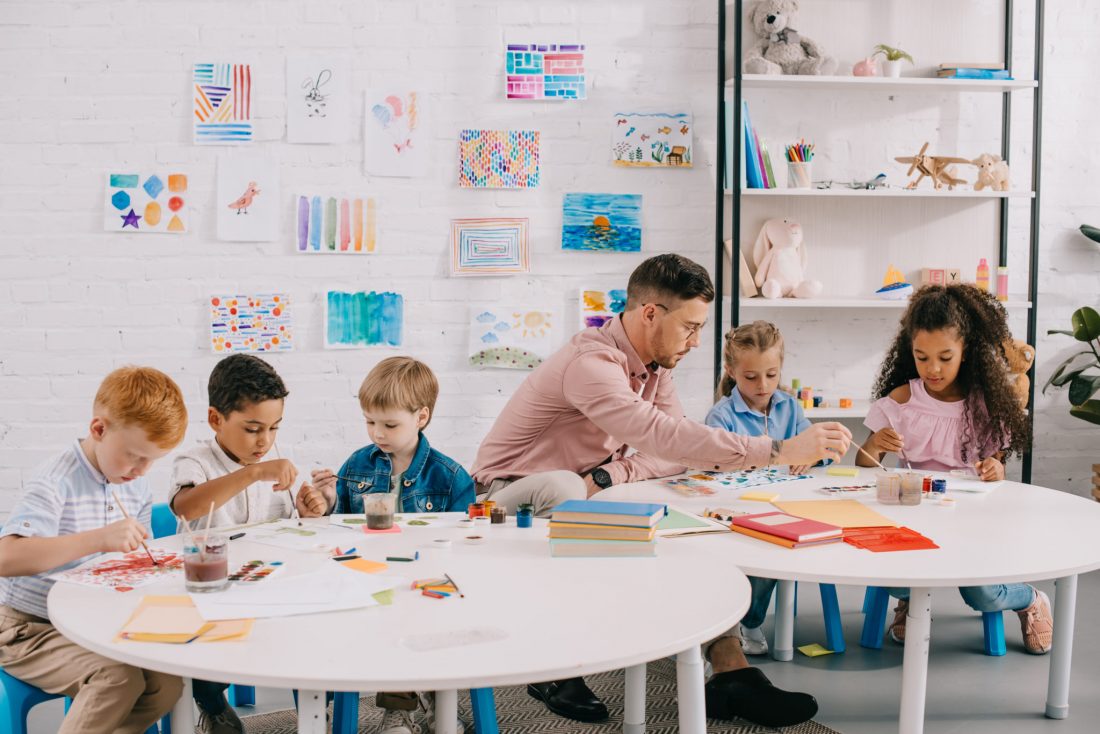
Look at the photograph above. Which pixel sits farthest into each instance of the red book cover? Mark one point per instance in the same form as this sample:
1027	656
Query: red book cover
788	526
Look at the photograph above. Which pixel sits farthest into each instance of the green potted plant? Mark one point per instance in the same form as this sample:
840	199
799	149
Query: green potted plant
891	66
1081	372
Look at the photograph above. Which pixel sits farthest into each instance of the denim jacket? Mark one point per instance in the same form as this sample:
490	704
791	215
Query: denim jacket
432	483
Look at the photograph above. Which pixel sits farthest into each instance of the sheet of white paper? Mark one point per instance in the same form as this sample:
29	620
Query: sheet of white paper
395	136
247	202
287	534
404	519
318	99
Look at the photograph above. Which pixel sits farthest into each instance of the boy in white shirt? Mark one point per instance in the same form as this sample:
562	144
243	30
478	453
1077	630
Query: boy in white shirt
246	409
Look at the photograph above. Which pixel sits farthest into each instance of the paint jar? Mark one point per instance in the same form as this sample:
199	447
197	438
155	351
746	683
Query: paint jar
799	174
911	485
926	485
525	514
488	505
206	565
939	486
378	507
498	515
888	488
475	509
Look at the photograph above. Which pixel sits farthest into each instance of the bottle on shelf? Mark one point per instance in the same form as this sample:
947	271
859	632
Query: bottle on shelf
982	278
1002	282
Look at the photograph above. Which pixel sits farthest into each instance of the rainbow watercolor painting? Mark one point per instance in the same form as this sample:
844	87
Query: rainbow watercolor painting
489	247
335	225
600	306
222	103
602	222
259	323
360	319
498	159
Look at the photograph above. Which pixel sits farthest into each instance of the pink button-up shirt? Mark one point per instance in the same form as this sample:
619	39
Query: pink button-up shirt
594	399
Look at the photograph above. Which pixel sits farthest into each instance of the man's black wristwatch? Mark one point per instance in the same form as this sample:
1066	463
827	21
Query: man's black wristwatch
601	478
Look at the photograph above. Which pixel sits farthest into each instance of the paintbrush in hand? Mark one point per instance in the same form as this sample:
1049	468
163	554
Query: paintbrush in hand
126	515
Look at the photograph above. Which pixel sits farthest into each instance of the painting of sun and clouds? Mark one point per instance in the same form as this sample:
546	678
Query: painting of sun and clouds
602	222
514	338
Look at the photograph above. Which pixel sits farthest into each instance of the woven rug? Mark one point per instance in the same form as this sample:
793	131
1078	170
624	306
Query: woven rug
518	713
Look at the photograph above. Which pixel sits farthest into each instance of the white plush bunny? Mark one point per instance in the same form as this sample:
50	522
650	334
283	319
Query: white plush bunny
781	261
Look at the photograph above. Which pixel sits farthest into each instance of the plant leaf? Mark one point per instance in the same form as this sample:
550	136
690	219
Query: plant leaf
1059	331
1089	411
1091	232
1083	387
1086	324
1061	377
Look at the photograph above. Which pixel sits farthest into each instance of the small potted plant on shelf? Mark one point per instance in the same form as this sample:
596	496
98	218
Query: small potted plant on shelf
891	66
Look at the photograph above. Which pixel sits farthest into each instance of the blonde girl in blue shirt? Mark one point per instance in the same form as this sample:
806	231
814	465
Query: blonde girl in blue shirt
750	403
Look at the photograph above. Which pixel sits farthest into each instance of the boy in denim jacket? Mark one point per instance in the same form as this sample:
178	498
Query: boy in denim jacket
397	398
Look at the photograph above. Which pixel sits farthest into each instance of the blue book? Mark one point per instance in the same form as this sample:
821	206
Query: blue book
598	512
964	73
571	548
753	174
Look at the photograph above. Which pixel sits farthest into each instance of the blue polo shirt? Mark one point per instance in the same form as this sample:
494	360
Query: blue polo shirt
785	418
65	495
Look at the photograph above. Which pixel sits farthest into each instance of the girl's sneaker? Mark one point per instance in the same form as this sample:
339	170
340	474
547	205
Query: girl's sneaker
427	702
398	722
753	641
1037	624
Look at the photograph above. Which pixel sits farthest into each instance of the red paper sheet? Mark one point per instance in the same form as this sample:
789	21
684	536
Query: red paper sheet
884	540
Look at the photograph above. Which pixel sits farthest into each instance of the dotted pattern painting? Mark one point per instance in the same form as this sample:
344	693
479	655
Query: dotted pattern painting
259	323
498	159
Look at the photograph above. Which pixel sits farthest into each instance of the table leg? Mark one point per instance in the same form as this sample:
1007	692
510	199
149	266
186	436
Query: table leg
1065	606
783	644
634	700
914	667
689	687
183	713
446	712
311	712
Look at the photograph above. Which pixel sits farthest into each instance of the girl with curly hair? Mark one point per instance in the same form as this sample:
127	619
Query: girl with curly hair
944	402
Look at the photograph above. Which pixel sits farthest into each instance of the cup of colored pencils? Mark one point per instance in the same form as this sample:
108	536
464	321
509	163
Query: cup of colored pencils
800	158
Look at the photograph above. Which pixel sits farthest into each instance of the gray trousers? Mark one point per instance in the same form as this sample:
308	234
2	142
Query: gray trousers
545	491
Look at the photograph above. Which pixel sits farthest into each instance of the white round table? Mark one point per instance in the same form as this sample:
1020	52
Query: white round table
525	617
1017	533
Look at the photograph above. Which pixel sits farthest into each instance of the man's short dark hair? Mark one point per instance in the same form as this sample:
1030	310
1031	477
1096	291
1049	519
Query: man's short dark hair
240	380
667	277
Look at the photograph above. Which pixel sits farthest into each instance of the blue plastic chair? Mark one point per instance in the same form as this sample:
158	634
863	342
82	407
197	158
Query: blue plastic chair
830	608
16	701
877	599
345	712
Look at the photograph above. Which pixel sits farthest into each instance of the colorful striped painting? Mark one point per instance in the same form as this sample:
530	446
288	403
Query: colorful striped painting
258	323
544	71
335	225
363	319
222	103
498	159
489	247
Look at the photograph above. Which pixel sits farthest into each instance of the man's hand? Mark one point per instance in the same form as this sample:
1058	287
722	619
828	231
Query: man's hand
820	441
590	485
990	470
280	471
799	468
122	535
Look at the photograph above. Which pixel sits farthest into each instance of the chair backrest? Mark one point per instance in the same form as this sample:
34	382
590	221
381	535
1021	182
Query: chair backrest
164	522
16	699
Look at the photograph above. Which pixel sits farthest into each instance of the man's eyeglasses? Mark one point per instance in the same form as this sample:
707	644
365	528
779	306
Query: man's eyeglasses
690	329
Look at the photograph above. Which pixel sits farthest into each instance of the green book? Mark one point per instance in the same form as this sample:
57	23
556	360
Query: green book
768	166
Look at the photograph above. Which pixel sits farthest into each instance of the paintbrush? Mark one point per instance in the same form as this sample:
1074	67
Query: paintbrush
126	515
880	466
452	582
209	518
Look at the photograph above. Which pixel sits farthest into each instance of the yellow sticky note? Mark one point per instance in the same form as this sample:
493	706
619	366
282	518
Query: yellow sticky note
842	471
363	565
814	650
760	496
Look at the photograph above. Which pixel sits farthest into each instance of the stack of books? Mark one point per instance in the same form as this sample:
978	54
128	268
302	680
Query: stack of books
757	170
786	530
973	71
586	528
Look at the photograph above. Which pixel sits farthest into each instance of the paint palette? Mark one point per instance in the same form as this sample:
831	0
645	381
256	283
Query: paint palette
254	571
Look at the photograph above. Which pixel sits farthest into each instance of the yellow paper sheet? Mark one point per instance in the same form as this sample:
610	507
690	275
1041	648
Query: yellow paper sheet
164	620
814	650
837	470
364	565
168	619
759	496
842	513
226	630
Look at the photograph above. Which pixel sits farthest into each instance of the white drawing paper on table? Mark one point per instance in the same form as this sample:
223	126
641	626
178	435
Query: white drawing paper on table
395	136
706	483
318	99
516	338
123	572
247	198
288	534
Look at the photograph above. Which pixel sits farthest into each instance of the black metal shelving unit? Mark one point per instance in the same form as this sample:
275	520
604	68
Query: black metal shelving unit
736	7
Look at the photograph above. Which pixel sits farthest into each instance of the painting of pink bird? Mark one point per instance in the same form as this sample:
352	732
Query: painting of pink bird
245	201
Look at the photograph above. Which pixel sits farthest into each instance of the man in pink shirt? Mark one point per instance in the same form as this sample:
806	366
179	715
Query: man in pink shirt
568	430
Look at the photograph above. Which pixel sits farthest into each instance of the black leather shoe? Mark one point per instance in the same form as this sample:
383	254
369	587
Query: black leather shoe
570	698
748	694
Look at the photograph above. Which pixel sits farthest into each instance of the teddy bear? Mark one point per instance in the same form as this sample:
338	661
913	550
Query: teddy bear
1020	355
779	48
780	259
992	172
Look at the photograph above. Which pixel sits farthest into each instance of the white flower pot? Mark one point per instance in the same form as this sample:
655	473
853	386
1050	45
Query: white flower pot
891	68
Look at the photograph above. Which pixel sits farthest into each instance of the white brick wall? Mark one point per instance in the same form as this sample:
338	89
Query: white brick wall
95	85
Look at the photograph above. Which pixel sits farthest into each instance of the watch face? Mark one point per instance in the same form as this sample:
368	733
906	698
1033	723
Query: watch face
601	478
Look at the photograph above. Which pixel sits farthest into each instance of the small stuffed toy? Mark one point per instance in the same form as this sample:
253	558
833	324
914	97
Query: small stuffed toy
1020	355
781	261
992	172
779	48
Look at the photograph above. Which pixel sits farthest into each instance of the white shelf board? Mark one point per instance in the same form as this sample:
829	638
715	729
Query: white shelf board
890	193
840	302
871	83
858	410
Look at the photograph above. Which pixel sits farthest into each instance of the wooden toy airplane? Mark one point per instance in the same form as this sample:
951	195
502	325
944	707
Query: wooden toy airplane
934	167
